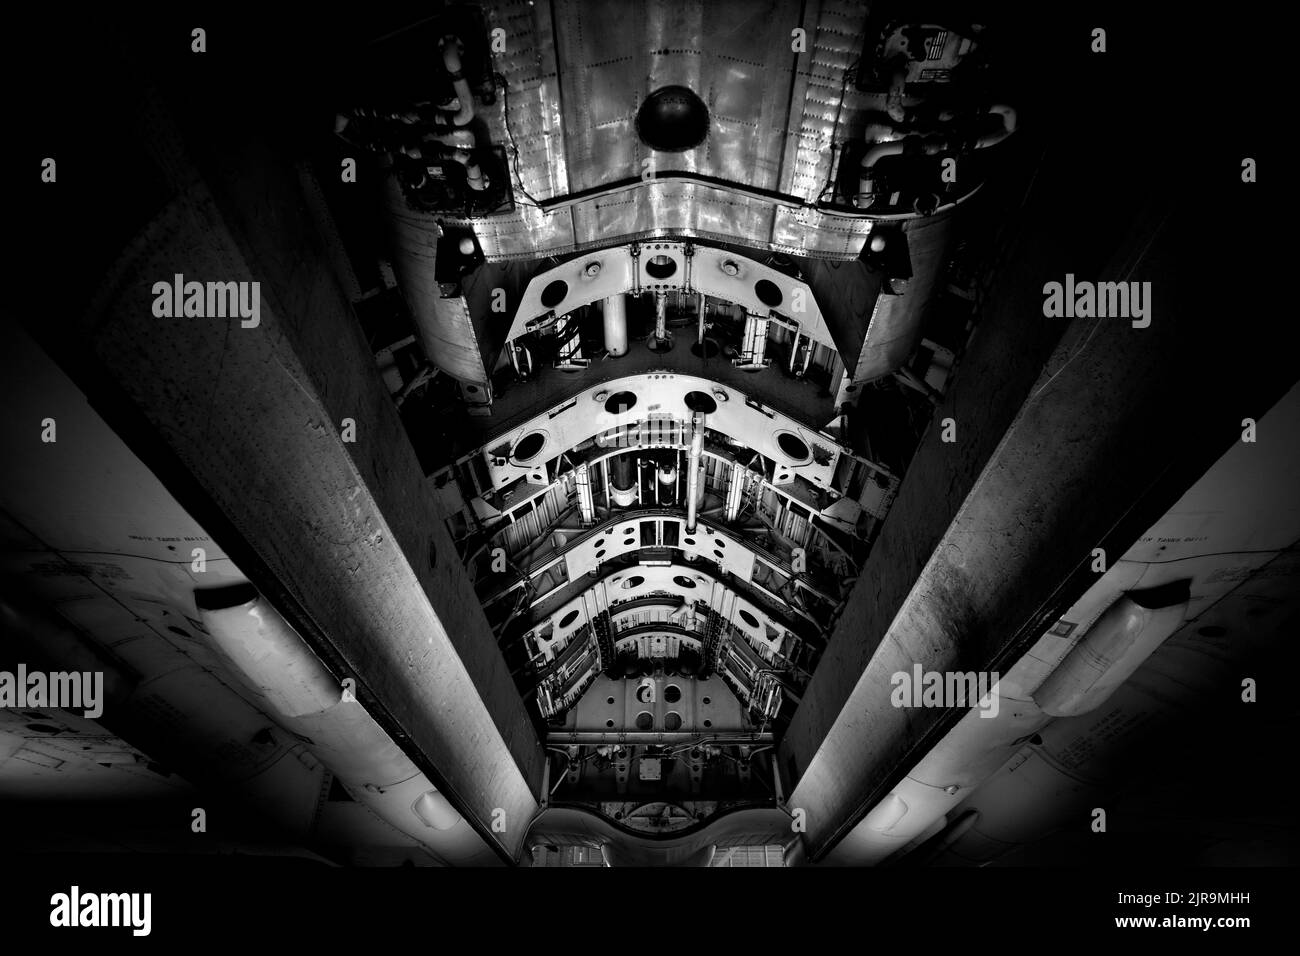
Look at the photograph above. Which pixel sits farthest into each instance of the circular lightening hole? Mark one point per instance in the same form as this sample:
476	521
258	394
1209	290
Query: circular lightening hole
555	293
748	618
768	292
570	618
529	446
682	581
792	446
660	267
645	720
672	720
620	402
701	402
672	694
635	581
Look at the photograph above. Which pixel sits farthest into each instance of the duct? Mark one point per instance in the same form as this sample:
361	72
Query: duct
693	484
473	174
925	146
661	318
459	138
1114	647
451	60
614	312
304	698
889	141
866	186
1008	116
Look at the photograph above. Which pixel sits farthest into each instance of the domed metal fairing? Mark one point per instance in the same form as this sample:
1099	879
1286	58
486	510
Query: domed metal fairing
672	120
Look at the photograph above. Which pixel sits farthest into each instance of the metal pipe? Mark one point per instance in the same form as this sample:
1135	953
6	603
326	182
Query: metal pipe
661	316
614	312
451	47
699	335
866	185
693	470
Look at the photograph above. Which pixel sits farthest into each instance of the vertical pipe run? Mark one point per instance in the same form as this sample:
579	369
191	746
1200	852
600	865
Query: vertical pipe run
586	502
754	347
735	491
451	46
614	311
699	335
661	317
693	470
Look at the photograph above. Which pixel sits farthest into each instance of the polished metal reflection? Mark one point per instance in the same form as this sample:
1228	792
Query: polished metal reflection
577	71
